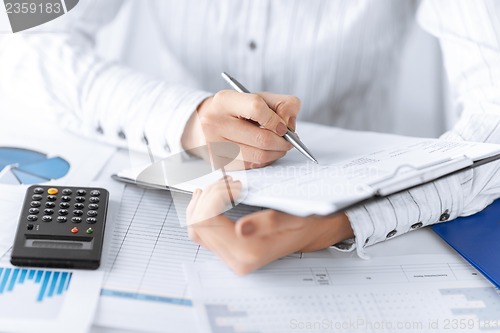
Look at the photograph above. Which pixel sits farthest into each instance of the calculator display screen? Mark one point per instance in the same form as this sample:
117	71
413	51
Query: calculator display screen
59	244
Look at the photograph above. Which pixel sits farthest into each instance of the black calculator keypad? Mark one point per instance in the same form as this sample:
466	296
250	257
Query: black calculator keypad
55	216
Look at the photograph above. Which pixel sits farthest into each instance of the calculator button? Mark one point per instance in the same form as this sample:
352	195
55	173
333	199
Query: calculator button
63	212
74	230
64	205
80	199
94	199
78	212
35	204
48	211
30	226
50	204
66	198
38	190
76	219
81	192
67	191
32	218
91	220
93	206
34	211
51	198
36	197
62	219
89	231
78	206
92	213
47	218
95	193
52	191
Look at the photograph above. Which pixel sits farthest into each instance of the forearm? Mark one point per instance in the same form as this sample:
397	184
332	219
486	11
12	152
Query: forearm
91	96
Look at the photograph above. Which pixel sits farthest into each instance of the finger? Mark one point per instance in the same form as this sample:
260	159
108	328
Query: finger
191	208
256	158
286	107
269	222
240	131
251	107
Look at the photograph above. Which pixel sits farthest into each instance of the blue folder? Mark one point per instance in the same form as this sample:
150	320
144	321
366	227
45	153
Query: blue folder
477	239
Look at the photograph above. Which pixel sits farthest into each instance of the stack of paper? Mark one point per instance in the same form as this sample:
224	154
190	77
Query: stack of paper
353	166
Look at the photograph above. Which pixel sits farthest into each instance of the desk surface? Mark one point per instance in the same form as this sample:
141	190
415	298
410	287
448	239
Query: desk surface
422	241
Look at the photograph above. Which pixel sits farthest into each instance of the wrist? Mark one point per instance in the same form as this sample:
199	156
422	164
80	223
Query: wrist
340	228
328	231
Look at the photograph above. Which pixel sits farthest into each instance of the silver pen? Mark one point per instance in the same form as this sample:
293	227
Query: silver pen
289	136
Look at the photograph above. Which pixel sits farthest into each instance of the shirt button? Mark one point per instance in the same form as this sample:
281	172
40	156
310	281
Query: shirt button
252	45
391	234
445	216
122	135
416	225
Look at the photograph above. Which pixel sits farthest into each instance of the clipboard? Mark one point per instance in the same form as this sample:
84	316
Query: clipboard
360	167
477	239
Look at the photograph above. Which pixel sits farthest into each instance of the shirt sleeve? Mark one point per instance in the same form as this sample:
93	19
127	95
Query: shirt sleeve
57	65
469	35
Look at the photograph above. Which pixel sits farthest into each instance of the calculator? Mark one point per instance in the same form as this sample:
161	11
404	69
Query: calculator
61	227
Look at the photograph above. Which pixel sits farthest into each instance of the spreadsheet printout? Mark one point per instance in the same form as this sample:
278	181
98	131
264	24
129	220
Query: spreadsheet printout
408	293
144	287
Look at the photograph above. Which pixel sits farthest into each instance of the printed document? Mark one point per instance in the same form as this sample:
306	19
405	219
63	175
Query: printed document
353	166
424	293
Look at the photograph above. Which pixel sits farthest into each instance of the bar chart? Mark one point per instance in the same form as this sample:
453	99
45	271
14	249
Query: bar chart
42	291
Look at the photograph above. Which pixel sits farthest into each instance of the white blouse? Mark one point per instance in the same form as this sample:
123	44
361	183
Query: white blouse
339	57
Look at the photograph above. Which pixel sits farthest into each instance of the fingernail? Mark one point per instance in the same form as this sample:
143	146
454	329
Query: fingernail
281	129
247	229
292	123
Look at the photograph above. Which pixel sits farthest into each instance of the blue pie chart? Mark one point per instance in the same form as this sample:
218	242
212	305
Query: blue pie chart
24	166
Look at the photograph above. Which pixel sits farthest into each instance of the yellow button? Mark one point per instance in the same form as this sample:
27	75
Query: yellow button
52	191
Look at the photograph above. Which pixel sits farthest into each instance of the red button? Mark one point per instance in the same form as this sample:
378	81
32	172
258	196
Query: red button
74	230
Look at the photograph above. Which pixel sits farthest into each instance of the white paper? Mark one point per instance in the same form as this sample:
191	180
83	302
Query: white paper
353	166
144	287
11	201
408	293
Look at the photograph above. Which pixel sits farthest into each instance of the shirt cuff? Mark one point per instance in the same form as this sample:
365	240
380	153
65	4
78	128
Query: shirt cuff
391	216
166	123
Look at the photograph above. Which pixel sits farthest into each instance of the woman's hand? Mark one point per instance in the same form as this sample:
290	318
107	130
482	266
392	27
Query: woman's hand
258	238
256	122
